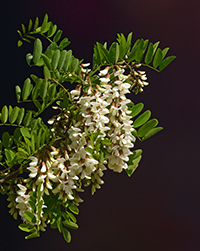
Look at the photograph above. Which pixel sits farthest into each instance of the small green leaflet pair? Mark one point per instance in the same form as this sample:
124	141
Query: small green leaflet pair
147	128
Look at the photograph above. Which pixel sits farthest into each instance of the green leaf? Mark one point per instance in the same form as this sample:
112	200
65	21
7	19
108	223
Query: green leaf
47	73
67	60
136	109
72	217
32	205
70	224
39	194
164	52
19	32
22	153
50	202
37	50
46	61
44	88
25	39
136	153
10	155
27	118
55	59
36	23
102	155
20	116
135	162
39	207
52	91
19	43
152	132
14	114
54	217
155	46
52	30
37	88
65	102
139	52
106	142
149	54
122	44
33	235
114	53
131	55
18	92
17	134
90	150
23	28
62	59
6	139
27	228
50	49
74	209
4	114
98	144
103	54
31	37
30	216
59	224
166	62
96	58
30	25
157	58
147	127
25	132
10	110
74	64
45	25
66	235
57	36
142	119
27	88
64	43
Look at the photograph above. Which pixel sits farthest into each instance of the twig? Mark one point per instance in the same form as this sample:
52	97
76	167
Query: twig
11	175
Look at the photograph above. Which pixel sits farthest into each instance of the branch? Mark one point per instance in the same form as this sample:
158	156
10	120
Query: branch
11	175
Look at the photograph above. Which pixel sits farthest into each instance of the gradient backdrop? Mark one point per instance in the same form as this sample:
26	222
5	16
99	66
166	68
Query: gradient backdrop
158	208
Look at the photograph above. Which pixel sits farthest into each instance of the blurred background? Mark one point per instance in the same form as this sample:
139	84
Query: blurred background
158	208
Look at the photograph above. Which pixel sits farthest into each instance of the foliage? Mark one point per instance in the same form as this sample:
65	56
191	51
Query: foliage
45	165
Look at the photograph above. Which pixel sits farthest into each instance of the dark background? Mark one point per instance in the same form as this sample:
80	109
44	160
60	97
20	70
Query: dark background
158	208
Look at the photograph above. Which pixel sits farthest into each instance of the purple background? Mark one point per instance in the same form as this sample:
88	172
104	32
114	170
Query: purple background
158	208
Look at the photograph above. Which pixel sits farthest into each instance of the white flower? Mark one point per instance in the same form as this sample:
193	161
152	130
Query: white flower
104	80
22	188
33	171
103	72
43	169
34	161
52	177
40	179
85	64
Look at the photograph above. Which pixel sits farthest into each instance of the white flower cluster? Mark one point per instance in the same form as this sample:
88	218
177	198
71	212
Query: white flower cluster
46	173
103	112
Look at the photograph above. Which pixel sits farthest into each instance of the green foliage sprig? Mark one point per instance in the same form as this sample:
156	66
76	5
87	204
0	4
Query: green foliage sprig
45	165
